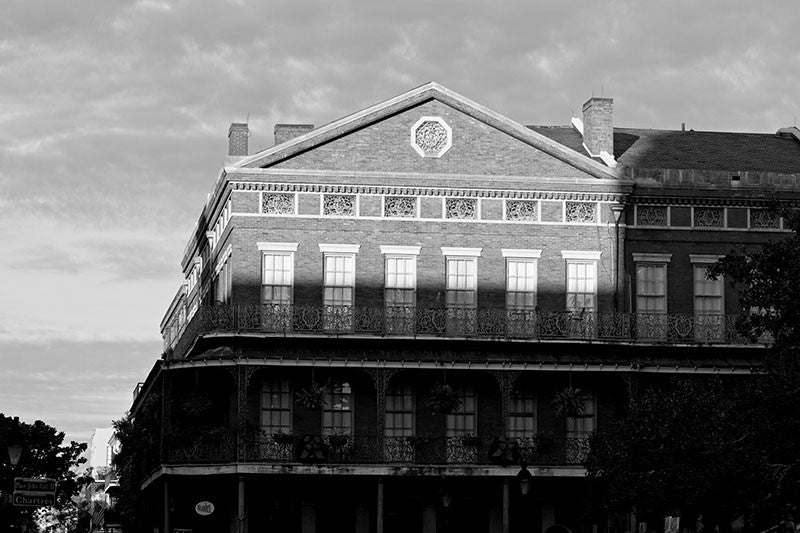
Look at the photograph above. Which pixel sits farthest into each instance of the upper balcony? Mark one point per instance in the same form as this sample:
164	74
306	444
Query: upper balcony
488	324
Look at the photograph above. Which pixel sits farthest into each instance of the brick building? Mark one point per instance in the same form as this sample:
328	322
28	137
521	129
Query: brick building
382	316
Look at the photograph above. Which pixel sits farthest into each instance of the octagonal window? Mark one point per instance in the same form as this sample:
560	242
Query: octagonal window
431	137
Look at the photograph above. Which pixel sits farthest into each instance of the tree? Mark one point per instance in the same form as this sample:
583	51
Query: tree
139	439
720	449
689	448
44	454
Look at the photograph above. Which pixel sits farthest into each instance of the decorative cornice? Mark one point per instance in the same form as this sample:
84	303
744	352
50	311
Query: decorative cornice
428	191
701	201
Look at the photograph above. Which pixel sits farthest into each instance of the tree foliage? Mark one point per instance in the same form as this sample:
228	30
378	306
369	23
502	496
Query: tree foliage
44	454
717	448
139	438
688	446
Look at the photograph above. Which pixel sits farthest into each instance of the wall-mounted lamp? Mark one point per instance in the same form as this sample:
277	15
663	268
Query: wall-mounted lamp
525	479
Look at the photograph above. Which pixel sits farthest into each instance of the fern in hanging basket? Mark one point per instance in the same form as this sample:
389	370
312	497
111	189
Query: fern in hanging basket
568	402
312	398
443	399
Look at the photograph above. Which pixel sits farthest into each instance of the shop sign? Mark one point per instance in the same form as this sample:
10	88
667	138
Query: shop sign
204	508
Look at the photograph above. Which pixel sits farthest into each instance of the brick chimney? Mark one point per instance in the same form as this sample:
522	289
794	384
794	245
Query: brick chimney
237	140
287	132
598	125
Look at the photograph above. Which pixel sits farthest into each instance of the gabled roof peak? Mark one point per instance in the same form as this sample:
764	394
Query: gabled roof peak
409	99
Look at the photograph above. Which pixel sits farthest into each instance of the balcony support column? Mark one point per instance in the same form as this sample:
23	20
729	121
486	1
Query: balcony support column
166	393
379	508
380	378
505	505
240	507
243	375
166	523
505	382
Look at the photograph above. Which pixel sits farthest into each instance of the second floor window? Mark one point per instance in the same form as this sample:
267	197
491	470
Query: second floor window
400	281
223	283
581	285
337	412
707	293
651	288
462	282
520	284
339	279
276	407
276	278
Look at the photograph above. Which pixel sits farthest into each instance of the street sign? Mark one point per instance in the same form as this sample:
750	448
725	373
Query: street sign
34	499
34	484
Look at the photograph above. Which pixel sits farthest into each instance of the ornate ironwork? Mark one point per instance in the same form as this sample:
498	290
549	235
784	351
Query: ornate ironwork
764	219
400	207
218	446
431	137
340	205
274	203
709	217
521	210
505	381
580	212
460	323
461	208
651	215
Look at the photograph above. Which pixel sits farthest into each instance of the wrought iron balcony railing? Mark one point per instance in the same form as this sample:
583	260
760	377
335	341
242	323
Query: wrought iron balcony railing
221	447
460	323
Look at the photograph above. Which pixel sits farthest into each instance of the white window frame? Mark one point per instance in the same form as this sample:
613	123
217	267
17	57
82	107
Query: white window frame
339	250
572	433
328	407
651	259
391	430
399	252
465	254
523	255
286	249
702	261
281	391
524	394
582	257
224	268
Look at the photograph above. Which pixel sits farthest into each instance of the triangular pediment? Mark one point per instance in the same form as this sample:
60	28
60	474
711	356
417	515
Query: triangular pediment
429	129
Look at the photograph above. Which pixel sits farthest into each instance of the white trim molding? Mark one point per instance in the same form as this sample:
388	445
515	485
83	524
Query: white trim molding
222	258
339	248
705	258
651	258
585	255
400	250
521	252
469	252
277	246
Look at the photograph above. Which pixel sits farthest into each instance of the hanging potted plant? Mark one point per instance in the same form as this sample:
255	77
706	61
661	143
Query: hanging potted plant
568	402
312	398
443	399
283	438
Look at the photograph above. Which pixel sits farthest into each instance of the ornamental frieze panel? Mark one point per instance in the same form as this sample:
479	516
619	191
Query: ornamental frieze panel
400	207
580	212
461	208
521	210
709	217
764	219
339	205
277	203
651	215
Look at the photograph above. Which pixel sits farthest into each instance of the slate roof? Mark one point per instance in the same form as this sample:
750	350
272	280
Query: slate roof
702	150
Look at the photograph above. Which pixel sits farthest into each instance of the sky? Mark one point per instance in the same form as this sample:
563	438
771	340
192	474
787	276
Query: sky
114	117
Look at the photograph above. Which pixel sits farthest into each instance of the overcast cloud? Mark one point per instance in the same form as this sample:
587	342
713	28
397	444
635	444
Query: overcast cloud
114	116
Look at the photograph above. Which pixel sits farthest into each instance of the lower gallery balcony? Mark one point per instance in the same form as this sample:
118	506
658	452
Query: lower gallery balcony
220	446
413	322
